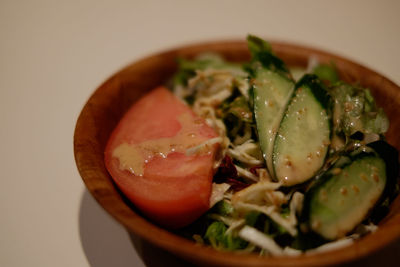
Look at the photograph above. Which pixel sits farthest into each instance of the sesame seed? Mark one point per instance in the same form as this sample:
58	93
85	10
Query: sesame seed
364	177
323	195
355	188
343	191
336	171
376	177
315	224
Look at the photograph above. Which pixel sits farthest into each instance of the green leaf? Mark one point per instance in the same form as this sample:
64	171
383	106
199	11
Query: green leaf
261	53
357	110
252	217
187	68
326	73
223	208
257	45
216	236
239	107
234	243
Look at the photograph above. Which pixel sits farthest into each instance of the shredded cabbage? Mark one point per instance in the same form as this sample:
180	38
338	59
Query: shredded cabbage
260	239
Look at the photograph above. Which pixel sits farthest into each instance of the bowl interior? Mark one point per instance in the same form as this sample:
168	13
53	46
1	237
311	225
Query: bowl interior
110	101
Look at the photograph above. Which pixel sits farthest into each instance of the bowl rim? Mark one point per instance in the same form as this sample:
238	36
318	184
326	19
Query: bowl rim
134	222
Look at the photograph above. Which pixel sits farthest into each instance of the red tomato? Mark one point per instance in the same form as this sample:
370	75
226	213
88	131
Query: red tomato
146	157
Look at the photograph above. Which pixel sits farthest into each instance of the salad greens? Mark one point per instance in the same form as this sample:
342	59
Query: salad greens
273	126
261	52
326	73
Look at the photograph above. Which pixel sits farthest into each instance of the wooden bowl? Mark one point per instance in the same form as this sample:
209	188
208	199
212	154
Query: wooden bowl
109	102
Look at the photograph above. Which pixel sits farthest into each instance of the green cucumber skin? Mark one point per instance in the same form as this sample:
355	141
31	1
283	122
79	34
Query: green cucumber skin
332	207
272	92
303	138
391	157
331	224
317	87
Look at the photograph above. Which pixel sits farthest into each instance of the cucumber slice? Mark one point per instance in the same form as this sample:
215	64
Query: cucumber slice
303	137
271	91
344	195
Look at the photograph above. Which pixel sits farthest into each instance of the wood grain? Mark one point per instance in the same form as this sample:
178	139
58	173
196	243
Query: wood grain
111	100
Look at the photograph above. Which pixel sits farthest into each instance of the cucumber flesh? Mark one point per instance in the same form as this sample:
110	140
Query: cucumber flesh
303	137
344	196
272	91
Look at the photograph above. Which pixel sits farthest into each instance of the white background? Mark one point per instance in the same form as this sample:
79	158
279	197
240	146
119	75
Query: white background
53	54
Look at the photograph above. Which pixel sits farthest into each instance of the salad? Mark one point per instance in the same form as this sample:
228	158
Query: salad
278	161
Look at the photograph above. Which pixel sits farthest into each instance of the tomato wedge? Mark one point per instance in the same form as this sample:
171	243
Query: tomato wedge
147	156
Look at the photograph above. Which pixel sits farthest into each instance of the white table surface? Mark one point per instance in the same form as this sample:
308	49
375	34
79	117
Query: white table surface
53	54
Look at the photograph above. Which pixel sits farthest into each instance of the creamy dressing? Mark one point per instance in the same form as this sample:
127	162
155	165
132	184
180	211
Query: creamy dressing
133	157
302	141
272	93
